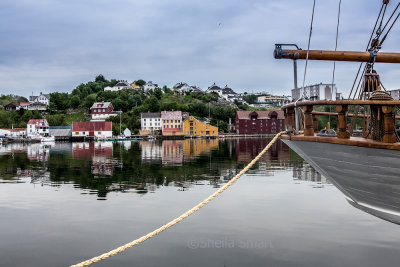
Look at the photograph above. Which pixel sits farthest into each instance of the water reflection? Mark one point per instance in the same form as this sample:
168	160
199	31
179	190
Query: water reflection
141	167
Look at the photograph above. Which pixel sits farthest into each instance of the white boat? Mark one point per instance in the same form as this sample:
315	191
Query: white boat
44	139
48	139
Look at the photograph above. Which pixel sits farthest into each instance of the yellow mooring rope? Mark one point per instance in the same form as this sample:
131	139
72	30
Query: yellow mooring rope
183	216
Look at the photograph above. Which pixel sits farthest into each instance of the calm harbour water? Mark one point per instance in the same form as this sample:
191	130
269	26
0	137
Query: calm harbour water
64	203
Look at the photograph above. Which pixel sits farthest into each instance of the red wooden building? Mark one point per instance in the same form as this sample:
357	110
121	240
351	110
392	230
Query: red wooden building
259	122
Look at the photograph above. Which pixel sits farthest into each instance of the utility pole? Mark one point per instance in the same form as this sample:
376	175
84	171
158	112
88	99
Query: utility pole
120	120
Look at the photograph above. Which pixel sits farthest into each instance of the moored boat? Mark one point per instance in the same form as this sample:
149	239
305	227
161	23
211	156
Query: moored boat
365	168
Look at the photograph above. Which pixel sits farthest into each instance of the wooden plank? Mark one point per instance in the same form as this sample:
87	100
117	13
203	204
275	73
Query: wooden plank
353	141
352	56
341	102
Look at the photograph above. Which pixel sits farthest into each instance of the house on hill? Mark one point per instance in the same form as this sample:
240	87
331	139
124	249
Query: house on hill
226	93
259	122
102	110
11	106
134	85
121	85
24	105
42	98
185	88
150	86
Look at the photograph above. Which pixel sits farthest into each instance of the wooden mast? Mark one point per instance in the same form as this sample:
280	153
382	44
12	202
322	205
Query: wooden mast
336	55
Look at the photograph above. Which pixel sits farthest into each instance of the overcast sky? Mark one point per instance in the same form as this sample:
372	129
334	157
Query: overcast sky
54	45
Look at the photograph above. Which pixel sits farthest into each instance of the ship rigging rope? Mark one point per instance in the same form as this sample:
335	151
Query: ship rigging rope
308	48
379	33
334	62
366	49
183	216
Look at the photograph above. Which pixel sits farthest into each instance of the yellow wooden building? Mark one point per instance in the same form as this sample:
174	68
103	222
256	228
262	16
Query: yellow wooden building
193	127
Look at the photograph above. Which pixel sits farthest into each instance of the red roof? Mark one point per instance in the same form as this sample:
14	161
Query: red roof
15	129
37	121
24	103
91	126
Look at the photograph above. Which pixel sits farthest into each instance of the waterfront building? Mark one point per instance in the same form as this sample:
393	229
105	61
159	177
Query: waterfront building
99	129
60	132
37	127
102	110
11	106
15	132
172	123
121	85
150	122
42	98
314	92
193	127
150	86
259	122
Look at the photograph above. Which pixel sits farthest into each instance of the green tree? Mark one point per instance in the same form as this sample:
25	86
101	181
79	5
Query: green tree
100	78
158	93
140	82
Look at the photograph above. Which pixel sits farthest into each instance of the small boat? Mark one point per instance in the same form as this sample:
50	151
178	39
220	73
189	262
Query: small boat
43	139
48	139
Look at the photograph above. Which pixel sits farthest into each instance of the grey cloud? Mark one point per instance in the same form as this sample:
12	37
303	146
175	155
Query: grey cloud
56	45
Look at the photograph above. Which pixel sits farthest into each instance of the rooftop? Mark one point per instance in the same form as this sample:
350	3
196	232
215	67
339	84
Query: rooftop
262	114
151	115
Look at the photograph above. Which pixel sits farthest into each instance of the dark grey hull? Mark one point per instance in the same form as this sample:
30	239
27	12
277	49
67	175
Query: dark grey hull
368	177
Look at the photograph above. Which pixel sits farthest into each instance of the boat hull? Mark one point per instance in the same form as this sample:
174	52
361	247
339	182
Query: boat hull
369	177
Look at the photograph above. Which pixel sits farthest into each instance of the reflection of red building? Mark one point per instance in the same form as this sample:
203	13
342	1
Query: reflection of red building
247	149
100	153
259	122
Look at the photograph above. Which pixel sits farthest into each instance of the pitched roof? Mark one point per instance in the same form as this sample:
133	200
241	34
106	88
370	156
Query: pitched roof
38	121
101	105
171	115
24	103
226	90
262	114
150	115
11	105
214	87
33	98
84	126
122	83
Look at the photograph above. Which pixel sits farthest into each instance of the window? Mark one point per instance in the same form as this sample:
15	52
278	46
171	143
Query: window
98	132
144	119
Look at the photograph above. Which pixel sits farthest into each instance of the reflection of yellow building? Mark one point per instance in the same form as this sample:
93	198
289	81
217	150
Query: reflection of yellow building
194	127
193	148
